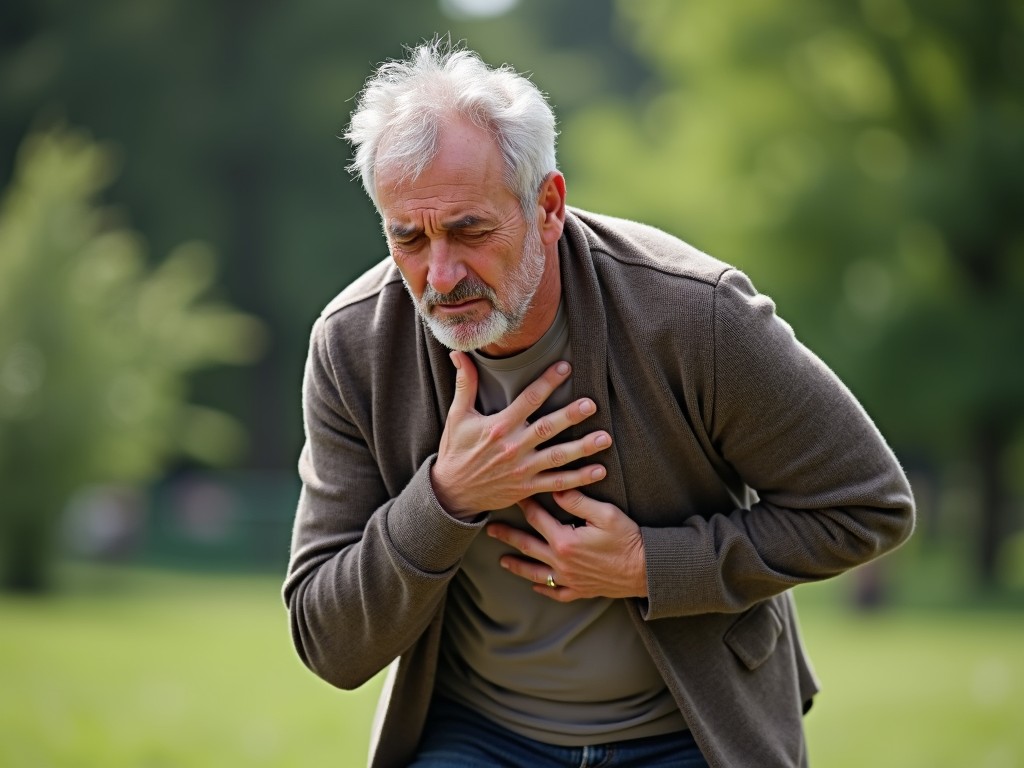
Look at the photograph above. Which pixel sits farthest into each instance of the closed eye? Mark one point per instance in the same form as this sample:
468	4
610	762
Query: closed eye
472	236
408	242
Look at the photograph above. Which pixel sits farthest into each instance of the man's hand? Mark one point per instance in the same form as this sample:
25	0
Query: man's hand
492	462
604	558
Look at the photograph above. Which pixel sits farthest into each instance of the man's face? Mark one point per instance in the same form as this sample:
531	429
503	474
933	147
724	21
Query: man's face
470	261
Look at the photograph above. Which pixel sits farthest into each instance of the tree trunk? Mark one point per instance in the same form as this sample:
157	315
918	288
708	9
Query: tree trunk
26	550
991	439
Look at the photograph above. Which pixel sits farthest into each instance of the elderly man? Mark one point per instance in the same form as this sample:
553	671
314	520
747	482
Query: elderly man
573	536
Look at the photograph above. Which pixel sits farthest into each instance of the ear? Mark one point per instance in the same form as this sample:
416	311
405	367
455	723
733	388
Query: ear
551	207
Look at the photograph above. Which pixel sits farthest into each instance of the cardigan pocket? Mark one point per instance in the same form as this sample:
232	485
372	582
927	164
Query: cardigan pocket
755	634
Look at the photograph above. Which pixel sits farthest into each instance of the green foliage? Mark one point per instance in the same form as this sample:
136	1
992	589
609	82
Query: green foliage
231	114
862	162
95	347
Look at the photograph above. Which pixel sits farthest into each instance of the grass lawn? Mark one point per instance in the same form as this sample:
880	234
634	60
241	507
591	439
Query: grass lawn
927	691
147	669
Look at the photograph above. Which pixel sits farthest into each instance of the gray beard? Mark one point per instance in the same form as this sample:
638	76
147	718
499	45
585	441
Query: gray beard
505	318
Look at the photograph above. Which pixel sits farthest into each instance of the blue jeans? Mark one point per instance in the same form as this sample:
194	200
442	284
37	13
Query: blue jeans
457	737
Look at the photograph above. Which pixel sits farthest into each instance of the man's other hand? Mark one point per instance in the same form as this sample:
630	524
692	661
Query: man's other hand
604	558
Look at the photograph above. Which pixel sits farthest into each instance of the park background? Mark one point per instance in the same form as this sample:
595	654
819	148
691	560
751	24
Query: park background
176	211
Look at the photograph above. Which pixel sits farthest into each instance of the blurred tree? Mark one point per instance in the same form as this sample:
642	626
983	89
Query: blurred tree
95	348
231	114
864	162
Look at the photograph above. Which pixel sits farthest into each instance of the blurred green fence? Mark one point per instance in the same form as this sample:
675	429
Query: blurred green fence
210	521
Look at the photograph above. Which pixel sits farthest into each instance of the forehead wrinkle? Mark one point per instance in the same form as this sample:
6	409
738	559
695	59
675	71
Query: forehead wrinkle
439	196
445	199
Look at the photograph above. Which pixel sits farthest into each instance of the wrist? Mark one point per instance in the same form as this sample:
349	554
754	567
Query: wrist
448	502
640	578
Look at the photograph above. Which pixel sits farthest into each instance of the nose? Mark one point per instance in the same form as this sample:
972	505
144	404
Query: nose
446	269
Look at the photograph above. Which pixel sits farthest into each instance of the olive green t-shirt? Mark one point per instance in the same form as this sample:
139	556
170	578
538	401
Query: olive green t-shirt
570	674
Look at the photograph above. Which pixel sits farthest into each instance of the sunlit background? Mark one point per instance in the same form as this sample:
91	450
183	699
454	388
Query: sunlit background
176	211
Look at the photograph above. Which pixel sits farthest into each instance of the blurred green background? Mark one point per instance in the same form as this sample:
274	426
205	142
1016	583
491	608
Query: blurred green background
175	212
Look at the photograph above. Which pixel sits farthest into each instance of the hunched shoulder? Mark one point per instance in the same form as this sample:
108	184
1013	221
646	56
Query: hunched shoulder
366	287
641	245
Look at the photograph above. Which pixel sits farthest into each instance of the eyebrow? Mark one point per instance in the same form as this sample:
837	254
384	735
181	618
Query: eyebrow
402	230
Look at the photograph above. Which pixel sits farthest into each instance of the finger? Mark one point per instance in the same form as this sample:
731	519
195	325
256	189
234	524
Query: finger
465	383
541	520
532	571
567	479
558	594
564	453
548	426
528	503
538	576
539	390
529	545
577	503
531	508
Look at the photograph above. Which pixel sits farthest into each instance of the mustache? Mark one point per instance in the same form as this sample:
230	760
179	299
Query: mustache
466	289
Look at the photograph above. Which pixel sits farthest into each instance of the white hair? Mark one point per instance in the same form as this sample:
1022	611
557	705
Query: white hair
404	105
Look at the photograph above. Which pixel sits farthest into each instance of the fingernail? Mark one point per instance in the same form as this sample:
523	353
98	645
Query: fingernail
586	407
456	360
563	368
491	533
598	473
603	441
503	564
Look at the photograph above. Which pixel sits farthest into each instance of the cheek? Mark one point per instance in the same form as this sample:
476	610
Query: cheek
415	276
493	265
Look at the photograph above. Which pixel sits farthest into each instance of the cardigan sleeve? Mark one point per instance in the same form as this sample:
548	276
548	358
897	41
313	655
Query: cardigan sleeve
367	572
831	494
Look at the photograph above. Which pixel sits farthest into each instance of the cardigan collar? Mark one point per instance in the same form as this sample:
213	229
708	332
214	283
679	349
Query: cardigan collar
588	337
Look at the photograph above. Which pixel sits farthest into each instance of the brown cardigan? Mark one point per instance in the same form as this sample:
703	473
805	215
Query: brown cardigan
749	467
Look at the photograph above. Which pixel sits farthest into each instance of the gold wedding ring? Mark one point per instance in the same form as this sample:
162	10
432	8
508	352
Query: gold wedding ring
551	580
